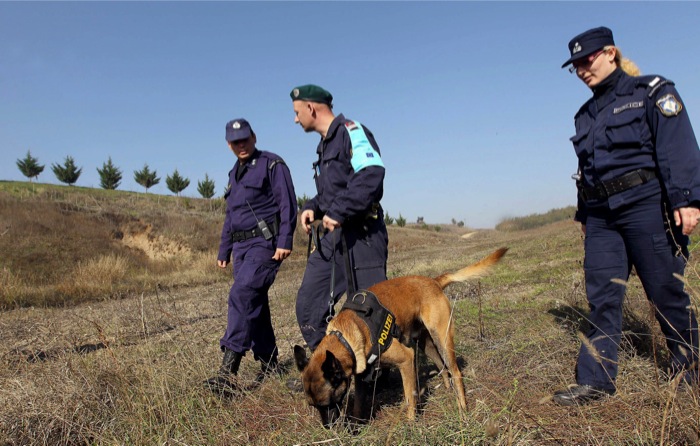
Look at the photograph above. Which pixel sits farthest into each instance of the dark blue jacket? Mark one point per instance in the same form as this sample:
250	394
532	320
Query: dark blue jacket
349	172
267	188
627	130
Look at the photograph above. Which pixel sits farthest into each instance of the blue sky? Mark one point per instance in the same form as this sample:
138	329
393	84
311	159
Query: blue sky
466	99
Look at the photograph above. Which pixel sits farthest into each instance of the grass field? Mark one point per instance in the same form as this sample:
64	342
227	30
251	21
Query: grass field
113	308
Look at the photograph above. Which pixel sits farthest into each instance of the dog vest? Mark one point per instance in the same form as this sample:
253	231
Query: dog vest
380	321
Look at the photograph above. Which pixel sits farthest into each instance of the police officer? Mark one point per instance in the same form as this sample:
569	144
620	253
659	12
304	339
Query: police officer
261	215
639	193
349	175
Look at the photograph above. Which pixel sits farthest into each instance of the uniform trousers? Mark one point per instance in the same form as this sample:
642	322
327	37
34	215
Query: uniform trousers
642	235
368	249
249	325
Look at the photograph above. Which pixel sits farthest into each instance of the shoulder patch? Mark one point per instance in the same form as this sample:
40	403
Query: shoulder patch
669	105
362	153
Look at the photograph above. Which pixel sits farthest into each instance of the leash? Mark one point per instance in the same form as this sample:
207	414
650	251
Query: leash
315	237
331	302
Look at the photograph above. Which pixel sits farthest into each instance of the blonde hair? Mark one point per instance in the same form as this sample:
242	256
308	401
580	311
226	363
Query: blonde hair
627	65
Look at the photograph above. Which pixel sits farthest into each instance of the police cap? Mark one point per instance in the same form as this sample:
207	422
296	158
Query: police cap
311	93
588	43
237	130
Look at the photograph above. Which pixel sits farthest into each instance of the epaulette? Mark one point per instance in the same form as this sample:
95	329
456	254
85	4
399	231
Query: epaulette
273	158
276	162
653	83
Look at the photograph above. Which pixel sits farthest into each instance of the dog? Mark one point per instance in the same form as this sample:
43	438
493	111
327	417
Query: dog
420	310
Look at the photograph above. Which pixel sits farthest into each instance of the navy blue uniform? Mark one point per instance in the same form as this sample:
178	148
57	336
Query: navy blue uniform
630	124
264	191
349	177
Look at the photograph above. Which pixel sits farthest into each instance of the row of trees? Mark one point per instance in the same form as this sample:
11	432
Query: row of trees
111	176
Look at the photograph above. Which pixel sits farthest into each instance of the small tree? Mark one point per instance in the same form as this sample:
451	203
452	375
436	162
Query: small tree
388	220
110	175
301	201
29	166
146	178
206	187
67	173
401	221
176	183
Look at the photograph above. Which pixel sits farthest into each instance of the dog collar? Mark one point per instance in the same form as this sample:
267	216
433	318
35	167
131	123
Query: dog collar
345	343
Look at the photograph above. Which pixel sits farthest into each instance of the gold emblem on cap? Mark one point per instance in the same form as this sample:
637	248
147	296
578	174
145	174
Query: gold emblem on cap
296	92
236	125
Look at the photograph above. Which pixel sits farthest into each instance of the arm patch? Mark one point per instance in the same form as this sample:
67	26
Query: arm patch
363	154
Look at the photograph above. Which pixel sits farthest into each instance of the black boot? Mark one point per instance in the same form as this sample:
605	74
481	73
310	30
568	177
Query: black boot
580	394
223	383
268	367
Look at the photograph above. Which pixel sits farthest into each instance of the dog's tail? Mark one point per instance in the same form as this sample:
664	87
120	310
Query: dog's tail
475	270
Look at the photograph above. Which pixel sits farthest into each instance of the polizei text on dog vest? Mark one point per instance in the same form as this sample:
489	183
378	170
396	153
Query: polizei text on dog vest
385	331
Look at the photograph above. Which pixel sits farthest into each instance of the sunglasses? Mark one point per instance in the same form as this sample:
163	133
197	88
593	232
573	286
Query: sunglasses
585	62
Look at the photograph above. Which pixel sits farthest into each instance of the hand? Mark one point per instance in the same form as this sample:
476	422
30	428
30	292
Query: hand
583	228
329	223
307	217
687	218
222	263
281	254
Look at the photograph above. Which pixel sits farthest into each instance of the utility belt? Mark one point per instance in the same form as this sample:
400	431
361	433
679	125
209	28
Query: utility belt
604	189
372	214
264	229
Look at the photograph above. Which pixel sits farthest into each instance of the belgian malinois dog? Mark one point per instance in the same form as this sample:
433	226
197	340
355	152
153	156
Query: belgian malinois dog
421	311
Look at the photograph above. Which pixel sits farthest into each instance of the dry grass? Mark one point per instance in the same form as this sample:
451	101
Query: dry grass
129	370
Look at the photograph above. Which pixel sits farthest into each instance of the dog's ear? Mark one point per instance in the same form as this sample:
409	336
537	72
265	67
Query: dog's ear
300	357
332	369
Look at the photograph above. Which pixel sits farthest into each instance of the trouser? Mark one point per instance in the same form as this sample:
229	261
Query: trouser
368	250
249	324
639	235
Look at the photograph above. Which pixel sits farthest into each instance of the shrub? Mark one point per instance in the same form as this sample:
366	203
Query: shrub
68	172
30	166
110	175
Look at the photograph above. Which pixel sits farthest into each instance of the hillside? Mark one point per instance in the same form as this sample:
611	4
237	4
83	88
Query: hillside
127	368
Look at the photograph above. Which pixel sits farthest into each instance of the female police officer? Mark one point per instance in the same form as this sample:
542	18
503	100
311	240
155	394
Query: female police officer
639	193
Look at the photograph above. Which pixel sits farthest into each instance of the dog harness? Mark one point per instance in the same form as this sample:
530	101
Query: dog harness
379	320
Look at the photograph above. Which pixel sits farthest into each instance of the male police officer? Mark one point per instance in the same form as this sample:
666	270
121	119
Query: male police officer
260	220
349	177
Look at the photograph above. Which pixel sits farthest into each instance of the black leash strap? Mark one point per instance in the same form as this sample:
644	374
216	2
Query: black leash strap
331	302
348	268
315	238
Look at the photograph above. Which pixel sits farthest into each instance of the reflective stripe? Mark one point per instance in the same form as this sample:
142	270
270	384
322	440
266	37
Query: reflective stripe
363	154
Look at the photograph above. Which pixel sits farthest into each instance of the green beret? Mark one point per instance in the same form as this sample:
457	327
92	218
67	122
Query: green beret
311	93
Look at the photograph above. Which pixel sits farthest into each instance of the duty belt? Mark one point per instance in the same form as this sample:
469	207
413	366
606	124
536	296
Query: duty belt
239	236
604	189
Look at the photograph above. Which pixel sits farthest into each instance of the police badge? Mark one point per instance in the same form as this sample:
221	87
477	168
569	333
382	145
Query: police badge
669	105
